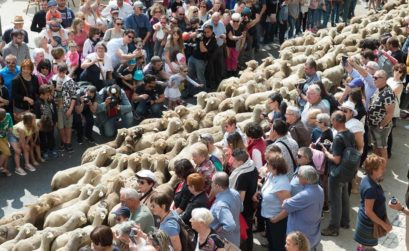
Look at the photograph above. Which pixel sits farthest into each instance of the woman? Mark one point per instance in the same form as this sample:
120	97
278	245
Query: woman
183	168
204	166
91	12
24	89
42	42
160	240
235	36
277	106
173	46
203	15
157	11
217	7
195	184
396	84
146	182
296	241
207	239
234	141
116	32
372	209
192	13
97	67
101	238
358	99
90	44
275	190
43	72
38	55
20	139
79	35
256	145
161	32
169	220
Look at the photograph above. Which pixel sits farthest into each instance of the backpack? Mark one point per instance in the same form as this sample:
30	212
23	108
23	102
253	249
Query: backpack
228	245
385	64
186	235
350	161
216	162
333	103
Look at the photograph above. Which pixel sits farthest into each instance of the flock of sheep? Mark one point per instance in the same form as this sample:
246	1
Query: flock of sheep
83	196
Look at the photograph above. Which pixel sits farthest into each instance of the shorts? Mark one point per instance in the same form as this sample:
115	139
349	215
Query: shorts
380	136
12	139
62	120
4	146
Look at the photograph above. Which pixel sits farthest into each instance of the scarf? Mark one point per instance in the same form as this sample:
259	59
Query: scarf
247	167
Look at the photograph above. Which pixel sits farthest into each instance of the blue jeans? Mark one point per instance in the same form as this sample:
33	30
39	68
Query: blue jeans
338	192
332	13
314	18
291	25
346	14
109	126
197	69
146	109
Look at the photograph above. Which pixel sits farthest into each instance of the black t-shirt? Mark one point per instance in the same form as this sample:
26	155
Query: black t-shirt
248	182
238	32
182	197
154	94
339	144
211	46
400	56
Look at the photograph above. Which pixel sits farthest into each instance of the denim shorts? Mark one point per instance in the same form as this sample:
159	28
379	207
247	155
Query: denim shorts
12	139
380	136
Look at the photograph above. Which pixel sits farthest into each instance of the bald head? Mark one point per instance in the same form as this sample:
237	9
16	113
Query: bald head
215	18
221	179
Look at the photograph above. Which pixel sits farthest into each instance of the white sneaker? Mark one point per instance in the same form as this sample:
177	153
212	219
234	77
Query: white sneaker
20	171
30	168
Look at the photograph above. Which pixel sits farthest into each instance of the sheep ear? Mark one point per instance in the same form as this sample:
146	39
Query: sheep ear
101	194
50	235
28	231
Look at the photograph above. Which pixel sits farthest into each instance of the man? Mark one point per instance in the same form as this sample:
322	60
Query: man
289	147
142	215
10	71
206	45
353	125
216	154
380	114
180	18
125	9
38	23
67	14
122	214
338	191
304	209
392	44
311	76
155	68
298	130
365	73
112	106
18	25
111	18
139	22
304	157
117	48
216	60
244	179
314	101
226	209
230	126
149	98
17	47
86	107
58	36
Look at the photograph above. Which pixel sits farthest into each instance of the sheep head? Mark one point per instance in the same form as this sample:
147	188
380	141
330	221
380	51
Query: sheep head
160	145
181	110
252	64
190	125
25	231
201	99
212	104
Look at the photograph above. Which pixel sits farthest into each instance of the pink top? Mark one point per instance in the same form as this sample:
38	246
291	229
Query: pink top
73	57
80	39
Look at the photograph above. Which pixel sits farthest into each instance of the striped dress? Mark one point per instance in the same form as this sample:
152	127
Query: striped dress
369	189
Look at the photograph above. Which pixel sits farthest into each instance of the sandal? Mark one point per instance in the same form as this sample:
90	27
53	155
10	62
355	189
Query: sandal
5	171
20	171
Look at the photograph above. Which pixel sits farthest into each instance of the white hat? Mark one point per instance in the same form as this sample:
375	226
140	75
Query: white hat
236	16
351	106
146	174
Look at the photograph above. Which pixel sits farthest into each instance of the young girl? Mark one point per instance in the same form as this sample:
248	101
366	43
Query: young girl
20	141
172	92
72	58
296	241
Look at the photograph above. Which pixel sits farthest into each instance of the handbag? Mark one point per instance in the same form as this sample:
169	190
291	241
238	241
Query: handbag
18	116
228	246
378	230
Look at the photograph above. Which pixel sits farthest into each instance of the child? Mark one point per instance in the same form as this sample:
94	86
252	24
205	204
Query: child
172	92
19	139
6	125
72	58
54	17
45	111
65	97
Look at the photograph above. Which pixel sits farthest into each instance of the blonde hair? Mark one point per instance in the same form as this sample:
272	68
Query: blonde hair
299	240
200	149
372	163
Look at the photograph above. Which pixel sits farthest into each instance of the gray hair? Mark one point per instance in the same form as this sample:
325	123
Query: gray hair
202	215
240	155
221	179
316	88
324	118
308	173
294	110
37	51
307	152
130	193
125	227
383	73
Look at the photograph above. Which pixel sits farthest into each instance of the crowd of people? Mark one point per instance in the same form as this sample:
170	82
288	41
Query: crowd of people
114	65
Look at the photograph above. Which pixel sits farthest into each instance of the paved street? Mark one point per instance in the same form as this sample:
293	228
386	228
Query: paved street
17	191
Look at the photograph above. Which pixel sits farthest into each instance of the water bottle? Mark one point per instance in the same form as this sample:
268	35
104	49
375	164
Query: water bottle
393	200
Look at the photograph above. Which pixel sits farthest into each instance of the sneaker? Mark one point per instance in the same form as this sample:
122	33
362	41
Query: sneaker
5	171
90	139
54	154
30	168
346	226
80	141
330	231
61	147
20	171
46	156
68	148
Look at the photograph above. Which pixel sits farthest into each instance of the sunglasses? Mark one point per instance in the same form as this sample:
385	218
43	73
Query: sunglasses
119	23
236	21
131	37
10	62
181	14
398	70
195	11
158	11
203	6
344	110
376	78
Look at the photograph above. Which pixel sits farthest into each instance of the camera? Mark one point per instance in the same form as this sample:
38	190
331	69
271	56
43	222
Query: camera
114	101
344	60
200	34
86	99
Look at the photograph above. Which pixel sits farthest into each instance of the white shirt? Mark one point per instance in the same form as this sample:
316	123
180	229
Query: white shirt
104	66
124	11
113	46
354	126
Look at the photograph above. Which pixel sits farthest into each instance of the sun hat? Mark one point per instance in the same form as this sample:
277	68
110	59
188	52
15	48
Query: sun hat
18	20
146	174
350	106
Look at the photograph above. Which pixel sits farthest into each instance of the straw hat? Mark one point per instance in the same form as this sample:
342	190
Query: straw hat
18	20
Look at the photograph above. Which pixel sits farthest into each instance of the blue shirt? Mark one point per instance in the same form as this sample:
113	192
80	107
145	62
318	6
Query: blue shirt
370	87
296	187
271	204
137	23
170	224
226	212
370	190
304	212
308	81
8	77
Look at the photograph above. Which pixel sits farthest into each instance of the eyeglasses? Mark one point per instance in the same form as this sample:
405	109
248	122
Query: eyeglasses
10	62
319	122
185	71
376	78
236	21
141	182
131	37
398	70
119	23
195	11
158	11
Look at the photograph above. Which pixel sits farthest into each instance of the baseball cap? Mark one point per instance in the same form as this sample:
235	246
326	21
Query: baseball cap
356	83
52	3
114	9
123	211
146	174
